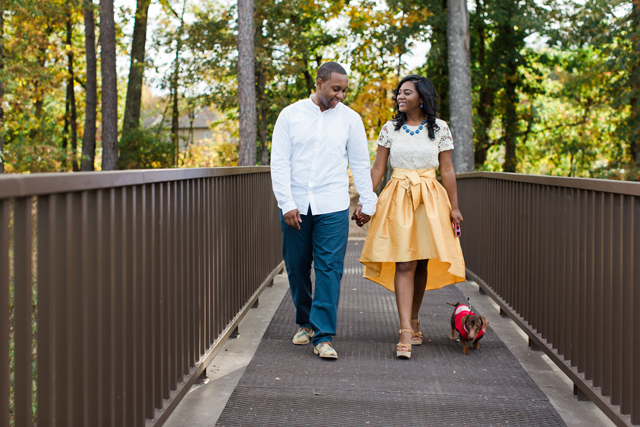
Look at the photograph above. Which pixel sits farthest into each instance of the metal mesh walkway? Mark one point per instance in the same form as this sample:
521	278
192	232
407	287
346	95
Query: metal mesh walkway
287	385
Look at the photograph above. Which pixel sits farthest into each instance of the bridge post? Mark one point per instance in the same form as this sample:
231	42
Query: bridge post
235	333
582	397
534	346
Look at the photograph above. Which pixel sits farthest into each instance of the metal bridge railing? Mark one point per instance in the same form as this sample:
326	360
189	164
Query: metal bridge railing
562	257
117	288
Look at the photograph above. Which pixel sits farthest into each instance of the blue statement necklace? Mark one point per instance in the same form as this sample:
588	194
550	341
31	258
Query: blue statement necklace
411	132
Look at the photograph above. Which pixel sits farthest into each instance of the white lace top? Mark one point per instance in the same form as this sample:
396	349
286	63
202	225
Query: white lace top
416	151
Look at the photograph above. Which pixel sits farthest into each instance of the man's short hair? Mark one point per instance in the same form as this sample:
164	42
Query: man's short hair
326	69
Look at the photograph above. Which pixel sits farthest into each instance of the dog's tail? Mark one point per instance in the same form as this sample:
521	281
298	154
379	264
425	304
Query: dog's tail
455	305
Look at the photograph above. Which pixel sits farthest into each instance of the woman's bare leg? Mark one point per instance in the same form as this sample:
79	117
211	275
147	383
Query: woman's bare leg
419	284
404	284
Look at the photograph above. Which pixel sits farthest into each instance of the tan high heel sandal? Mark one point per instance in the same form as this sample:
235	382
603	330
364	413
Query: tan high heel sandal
416	339
403	350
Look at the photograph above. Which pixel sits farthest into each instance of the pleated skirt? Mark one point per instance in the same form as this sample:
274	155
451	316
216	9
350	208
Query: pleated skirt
412	222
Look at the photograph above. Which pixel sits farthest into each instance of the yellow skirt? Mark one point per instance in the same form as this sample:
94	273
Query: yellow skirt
412	222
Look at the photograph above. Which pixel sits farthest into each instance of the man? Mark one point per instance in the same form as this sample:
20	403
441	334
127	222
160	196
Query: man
313	141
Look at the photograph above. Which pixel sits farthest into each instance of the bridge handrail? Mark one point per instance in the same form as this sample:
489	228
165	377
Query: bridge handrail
131	282
561	256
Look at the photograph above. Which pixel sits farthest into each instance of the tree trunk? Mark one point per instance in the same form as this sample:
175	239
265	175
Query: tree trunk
1	86
438	63
510	118
246	84
71	116
262	116
109	86
175	112
486	91
460	103
136	69
89	137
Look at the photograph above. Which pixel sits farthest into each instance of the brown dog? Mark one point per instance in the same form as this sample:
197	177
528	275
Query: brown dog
470	326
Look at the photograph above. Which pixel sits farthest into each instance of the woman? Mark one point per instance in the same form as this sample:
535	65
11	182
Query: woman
411	245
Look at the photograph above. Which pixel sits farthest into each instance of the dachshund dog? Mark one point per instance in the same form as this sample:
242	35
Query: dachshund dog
470	326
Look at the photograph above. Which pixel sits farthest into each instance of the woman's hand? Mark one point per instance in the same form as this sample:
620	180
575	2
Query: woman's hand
456	216
359	217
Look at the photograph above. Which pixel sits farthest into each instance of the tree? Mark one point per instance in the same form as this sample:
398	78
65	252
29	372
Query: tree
71	115
109	86
91	102
136	68
246	84
458	41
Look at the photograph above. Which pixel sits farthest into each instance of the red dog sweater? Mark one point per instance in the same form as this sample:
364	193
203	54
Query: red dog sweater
461	311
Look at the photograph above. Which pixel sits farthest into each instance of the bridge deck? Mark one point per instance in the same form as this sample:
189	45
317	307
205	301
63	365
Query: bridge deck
288	385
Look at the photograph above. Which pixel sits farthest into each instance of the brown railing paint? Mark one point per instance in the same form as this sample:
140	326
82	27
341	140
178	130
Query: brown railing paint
140	277
562	257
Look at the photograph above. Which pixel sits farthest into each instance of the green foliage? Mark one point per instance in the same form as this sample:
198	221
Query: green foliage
145	149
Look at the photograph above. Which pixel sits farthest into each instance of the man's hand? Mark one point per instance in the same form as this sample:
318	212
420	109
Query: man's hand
359	217
292	219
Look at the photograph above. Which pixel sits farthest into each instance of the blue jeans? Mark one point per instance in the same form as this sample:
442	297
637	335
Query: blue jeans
323	240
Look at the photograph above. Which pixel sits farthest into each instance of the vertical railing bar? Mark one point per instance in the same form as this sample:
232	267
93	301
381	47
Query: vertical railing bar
627	311
634	230
590	308
581	282
128	297
219	230
90	255
23	294
76	307
148	220
139	296
618	339
60	293
175	373
46	266
157	295
608	323
182	289
118	262
165	302
209	258
598	313
553	268
200	269
190	274
4	312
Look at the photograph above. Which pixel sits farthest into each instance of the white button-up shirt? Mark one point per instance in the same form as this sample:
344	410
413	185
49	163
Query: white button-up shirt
309	155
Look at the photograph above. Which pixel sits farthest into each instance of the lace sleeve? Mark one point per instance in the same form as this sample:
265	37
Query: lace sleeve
446	141
383	139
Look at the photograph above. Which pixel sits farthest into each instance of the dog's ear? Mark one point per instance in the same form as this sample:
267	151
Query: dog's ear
464	319
485	323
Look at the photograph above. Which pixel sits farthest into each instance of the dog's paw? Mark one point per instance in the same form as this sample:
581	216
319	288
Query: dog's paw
465	351
476	346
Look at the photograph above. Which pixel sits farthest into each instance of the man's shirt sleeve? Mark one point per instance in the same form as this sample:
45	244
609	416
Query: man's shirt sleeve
281	163
360	164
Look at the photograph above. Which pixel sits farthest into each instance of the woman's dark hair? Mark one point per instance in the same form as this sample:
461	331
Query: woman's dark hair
429	103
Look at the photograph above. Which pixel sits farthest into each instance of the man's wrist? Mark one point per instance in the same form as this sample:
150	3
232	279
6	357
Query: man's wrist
288	207
368	210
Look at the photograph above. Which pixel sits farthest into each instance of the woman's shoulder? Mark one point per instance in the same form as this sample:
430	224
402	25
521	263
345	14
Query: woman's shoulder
441	123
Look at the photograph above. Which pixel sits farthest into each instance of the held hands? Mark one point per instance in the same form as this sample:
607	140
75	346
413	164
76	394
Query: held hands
359	217
292	219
